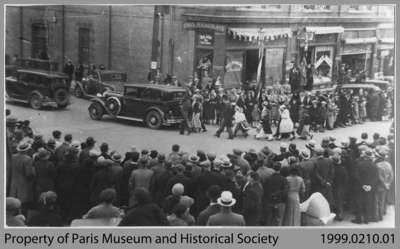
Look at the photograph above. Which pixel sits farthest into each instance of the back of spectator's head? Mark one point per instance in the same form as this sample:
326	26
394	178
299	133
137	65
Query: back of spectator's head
8	112
153	154
83	145
382	141
56	134
364	135
376	136
145	152
13	205
294	171
68	138
108	195
161	158
178	189
90	142
142	195
213	192
175	148
104	147
179	210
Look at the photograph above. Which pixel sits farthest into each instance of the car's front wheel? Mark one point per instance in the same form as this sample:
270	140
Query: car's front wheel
153	120
96	111
36	101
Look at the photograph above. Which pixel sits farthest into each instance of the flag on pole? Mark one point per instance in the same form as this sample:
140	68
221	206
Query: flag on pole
259	68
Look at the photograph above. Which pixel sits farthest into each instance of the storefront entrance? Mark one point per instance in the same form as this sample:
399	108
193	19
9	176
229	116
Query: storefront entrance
355	62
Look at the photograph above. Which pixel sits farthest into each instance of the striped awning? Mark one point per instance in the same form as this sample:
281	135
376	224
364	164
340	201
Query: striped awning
360	40
251	34
325	30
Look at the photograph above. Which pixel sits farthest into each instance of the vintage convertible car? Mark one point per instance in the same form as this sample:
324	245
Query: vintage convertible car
155	105
99	82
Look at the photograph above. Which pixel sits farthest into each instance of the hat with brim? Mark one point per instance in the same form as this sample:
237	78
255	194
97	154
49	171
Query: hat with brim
23	147
237	152
226	199
305	155
194	159
116	157
225	162
311	144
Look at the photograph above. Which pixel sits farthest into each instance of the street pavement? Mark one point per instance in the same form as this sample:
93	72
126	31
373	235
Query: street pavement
122	134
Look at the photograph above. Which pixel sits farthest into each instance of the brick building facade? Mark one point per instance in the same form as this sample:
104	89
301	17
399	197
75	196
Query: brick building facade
230	39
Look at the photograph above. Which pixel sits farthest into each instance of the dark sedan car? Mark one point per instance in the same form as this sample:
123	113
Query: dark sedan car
155	105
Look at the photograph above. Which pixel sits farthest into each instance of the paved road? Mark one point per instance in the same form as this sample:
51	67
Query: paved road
122	134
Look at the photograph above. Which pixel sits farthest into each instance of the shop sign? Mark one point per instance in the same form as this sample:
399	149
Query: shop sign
357	49
153	65
205	39
204	25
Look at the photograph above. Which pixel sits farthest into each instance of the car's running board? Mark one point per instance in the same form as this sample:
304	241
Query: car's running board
130	118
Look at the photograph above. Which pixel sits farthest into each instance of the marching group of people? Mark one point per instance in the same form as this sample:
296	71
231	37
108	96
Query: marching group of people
52	181
278	111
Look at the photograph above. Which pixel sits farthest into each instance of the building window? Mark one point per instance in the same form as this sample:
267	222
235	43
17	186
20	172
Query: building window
313	7
84	45
40	41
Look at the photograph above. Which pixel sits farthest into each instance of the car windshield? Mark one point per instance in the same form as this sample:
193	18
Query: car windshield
57	80
174	96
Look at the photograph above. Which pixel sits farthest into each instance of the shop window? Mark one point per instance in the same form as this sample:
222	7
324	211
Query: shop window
40	41
84	45
323	64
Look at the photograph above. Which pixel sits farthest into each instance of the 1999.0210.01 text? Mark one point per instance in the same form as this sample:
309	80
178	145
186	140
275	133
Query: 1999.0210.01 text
357	238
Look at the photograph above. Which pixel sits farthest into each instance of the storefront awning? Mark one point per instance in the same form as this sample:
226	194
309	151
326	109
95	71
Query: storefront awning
360	40
325	30
259	34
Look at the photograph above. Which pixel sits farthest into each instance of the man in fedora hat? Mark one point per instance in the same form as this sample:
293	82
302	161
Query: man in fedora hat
22	177
386	177
366	178
226	217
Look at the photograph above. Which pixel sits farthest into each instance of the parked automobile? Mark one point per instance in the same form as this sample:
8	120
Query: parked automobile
38	88
357	87
99	82
155	105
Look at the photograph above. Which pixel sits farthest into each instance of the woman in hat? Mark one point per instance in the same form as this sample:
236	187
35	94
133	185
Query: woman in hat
355	109
45	172
286	124
331	112
314	117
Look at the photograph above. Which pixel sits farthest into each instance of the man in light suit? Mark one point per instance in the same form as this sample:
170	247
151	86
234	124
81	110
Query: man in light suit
226	217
